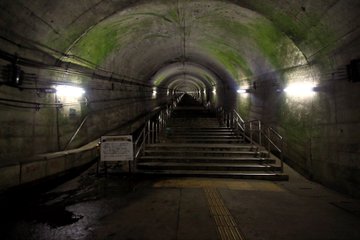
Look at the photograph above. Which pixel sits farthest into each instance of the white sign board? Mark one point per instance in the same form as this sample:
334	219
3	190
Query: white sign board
117	148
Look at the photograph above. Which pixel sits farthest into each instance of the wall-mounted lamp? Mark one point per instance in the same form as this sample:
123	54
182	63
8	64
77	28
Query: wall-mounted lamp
154	92
303	89
241	90
69	91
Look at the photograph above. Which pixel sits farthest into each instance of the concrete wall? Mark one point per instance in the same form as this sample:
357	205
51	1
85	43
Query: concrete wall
322	132
34	122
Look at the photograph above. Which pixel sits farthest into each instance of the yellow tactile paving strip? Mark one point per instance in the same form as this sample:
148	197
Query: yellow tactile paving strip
226	225
218	183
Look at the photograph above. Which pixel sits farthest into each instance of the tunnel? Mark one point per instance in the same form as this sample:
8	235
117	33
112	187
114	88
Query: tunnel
75	71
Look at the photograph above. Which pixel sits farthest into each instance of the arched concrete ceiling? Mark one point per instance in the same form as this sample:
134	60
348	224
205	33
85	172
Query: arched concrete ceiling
187	70
238	39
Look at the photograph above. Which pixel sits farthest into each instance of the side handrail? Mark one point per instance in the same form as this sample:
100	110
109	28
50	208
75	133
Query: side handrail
153	127
254	127
279	149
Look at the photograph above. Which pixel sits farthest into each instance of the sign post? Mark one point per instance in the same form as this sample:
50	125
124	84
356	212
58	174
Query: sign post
116	149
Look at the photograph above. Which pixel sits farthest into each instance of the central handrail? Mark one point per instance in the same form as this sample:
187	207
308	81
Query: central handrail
265	135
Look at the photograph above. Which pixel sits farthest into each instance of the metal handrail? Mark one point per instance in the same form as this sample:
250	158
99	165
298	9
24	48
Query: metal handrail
276	133
152	128
235	121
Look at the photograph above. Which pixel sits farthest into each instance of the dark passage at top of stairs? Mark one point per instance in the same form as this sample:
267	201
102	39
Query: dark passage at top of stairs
188	107
194	144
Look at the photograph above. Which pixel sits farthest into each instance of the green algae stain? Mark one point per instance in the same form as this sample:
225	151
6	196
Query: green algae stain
98	43
269	41
229	57
259	33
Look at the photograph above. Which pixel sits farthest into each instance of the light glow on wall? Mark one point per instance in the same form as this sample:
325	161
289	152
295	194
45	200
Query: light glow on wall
154	92
300	89
69	91
241	91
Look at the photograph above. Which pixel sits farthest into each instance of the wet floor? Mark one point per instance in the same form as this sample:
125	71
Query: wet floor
117	206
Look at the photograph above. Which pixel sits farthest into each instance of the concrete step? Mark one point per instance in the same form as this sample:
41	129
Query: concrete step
201	146
206	137
205	140
206	134
200	129
217	174
202	159
201	153
206	166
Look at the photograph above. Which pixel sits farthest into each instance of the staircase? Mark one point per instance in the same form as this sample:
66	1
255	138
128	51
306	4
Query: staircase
195	145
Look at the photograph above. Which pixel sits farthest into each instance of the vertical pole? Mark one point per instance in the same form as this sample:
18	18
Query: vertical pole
153	132
251	133
149	132
157	131
259	132
227	120
269	139
244	131
282	155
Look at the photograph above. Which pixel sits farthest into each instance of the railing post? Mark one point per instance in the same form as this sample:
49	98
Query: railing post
148	132
153	132
158	131
282	155
269	139
228	119
259	126
251	133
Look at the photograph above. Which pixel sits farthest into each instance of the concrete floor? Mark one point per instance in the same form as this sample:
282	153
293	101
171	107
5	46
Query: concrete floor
114	207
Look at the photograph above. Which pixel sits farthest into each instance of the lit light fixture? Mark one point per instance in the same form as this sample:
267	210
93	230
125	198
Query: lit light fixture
69	91
240	90
154	92
214	91
303	89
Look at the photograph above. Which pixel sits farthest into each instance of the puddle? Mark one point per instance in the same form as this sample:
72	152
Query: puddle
54	216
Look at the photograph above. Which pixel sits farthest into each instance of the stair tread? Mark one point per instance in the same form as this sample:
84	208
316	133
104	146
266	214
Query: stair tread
202	134
199	128
199	151
209	172
206	164
201	137
201	145
207	157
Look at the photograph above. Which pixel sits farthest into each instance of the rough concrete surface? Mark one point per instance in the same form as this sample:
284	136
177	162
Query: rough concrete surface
123	207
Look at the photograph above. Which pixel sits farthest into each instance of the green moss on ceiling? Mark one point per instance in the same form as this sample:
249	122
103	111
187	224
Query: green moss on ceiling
270	42
305	28
105	38
99	43
259	34
222	38
230	58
